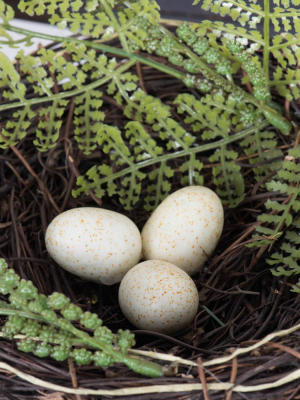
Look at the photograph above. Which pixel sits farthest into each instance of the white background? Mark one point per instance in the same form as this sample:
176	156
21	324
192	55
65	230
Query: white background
35	27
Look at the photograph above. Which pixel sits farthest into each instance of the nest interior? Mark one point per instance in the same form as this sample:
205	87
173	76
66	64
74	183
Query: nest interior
236	285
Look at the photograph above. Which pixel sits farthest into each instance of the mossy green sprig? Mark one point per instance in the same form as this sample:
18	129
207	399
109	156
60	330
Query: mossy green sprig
47	323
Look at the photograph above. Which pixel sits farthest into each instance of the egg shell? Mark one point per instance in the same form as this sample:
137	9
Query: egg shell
184	229
94	243
158	296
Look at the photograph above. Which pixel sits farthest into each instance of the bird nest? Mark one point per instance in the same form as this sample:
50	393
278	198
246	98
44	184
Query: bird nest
243	343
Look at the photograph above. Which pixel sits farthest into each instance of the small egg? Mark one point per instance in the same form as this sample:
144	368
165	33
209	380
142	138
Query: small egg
184	229
158	296
95	244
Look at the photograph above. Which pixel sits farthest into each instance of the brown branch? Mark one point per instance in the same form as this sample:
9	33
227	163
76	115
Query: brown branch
41	183
202	378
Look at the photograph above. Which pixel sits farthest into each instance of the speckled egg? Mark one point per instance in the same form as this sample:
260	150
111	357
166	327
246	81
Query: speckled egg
158	296
95	244
185	228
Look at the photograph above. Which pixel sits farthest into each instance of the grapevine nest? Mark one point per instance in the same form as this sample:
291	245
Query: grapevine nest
242	305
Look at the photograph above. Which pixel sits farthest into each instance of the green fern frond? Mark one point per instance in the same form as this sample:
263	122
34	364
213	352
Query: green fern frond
144	146
131	190
110	139
65	71
49	125
10	78
152	111
284	46
282	216
160	188
227	177
16	128
87	119
119	87
37	75
6	12
93	24
264	145
96	65
191	171
154	144
210	114
39	7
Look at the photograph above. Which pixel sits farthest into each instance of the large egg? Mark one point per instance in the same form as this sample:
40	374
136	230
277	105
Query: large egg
95	244
184	229
158	296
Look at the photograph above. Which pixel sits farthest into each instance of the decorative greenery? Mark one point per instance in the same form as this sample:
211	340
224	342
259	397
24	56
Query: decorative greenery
283	221
48	326
207	57
283	46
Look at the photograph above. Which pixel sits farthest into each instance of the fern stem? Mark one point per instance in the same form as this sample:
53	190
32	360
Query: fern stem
99	46
259	146
141	110
223	166
117	27
208	73
201	64
178	154
139	365
285	82
204	121
192	169
248	9
14	42
284	45
160	178
266	37
71	93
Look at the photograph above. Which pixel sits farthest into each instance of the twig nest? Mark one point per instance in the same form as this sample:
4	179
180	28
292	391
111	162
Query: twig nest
158	296
184	229
95	244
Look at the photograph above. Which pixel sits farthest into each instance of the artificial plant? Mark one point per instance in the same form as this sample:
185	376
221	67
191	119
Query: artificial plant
47	325
208	56
229	101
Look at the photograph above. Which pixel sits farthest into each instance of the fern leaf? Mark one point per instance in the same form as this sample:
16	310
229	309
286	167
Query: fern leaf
102	179
66	72
160	188
284	46
120	86
87	119
211	114
135	11
39	7
213	30
92	24
153	112
6	12
227	177
144	146
16	128
110	139
286	260
191	171
263	145
9	77
130	192
97	66
36	75
49	125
